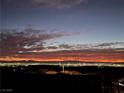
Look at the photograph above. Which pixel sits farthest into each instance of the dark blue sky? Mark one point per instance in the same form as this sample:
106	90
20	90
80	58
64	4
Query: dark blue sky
96	21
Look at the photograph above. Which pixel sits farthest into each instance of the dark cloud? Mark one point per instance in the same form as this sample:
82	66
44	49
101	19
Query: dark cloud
47	3
16	42
65	46
13	41
59	3
111	44
52	47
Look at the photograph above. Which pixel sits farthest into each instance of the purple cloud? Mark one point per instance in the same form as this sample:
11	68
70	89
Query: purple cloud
58	3
48	3
13	41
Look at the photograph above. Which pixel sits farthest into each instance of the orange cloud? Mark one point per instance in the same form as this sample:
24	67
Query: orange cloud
83	56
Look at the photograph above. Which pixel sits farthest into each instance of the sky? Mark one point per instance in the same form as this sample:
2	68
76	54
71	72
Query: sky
33	26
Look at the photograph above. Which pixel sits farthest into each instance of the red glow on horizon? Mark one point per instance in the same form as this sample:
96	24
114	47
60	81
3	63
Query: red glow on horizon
62	59
71	56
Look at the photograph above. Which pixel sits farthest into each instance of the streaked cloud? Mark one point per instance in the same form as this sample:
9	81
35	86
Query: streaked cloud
66	46
110	45
13	41
105	55
47	3
113	46
59	3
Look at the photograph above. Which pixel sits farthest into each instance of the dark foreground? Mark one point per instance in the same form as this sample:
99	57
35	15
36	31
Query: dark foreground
51	79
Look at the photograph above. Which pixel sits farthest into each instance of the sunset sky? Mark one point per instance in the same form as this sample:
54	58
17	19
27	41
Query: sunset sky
85	30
